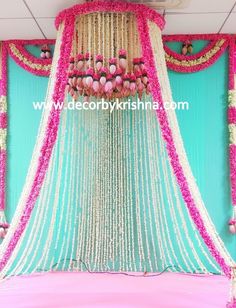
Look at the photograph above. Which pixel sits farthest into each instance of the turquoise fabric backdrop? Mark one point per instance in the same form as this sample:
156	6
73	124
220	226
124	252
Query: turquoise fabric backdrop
203	127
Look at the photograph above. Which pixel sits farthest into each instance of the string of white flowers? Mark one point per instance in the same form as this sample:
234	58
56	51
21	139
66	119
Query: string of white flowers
169	250
152	141
129	190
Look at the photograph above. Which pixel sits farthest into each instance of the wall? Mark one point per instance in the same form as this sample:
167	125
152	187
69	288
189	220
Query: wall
203	127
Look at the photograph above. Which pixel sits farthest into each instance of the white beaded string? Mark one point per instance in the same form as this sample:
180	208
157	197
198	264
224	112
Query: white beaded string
114	192
126	193
81	218
94	161
76	195
82	230
89	186
145	122
110	203
165	233
153	186
53	227
136	185
141	170
174	223
70	205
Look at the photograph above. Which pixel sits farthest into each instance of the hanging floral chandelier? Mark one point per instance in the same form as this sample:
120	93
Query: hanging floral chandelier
106	59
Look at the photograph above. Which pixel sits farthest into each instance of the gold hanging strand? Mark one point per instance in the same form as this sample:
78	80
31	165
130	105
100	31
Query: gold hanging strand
99	33
84	35
112	35
103	36
117	33
0	60
122	31
95	39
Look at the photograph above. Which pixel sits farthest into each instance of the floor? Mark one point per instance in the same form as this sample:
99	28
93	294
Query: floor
73	290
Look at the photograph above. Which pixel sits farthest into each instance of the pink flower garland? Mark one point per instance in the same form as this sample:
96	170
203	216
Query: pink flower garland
171	150
110	6
3	81
193	37
232	165
232	115
3	159
232	120
19	45
49	140
232	62
213	38
3	120
196	67
3	125
37	42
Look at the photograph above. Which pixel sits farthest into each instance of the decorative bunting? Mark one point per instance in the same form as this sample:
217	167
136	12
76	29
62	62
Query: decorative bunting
32	64
185	63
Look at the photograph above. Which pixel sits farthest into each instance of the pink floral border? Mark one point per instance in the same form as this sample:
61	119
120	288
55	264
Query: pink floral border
232	118
3	81
232	164
232	115
38	42
193	37
3	120
19	44
232	61
117	6
170	145
3	164
3	125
